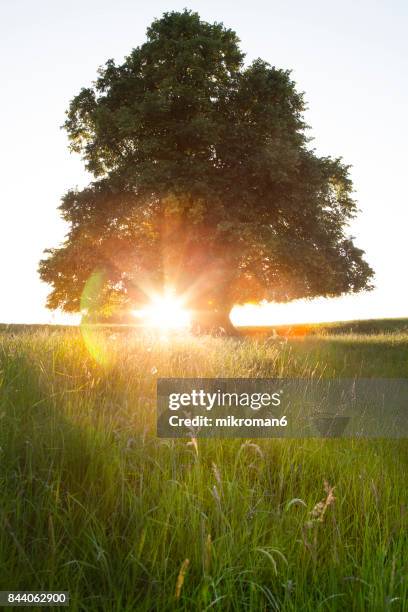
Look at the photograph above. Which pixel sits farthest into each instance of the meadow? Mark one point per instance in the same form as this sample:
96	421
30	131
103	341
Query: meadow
92	502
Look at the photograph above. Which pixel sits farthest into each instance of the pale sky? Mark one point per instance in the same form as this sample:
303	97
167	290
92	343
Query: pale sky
348	56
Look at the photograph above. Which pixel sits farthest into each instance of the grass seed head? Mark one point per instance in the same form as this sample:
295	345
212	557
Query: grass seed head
180	578
217	474
320	508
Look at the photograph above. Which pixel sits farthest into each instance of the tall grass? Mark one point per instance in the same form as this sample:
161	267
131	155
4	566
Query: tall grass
92	502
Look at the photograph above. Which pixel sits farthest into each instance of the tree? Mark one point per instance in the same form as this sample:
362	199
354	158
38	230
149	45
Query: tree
203	181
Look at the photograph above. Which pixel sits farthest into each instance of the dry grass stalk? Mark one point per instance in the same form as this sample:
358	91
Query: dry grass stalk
194	444
180	578
207	553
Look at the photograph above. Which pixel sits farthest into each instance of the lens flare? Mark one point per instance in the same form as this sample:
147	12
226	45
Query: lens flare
96	342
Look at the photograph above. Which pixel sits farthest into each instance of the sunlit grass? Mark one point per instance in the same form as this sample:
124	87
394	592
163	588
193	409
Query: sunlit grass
92	502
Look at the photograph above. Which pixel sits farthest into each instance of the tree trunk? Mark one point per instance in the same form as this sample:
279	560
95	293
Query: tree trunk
215	322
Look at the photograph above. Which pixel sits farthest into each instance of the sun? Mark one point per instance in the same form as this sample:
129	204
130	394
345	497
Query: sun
166	312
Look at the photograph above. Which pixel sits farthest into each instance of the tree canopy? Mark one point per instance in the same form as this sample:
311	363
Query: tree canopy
204	180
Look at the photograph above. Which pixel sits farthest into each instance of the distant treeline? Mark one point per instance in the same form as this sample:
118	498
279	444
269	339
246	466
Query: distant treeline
369	327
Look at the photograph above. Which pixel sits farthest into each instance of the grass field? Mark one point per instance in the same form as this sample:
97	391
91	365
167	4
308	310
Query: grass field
93	503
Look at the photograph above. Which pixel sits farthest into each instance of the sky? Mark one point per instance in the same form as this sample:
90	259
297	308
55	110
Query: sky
349	57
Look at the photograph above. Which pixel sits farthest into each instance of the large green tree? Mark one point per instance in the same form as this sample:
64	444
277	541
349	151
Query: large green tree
204	181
